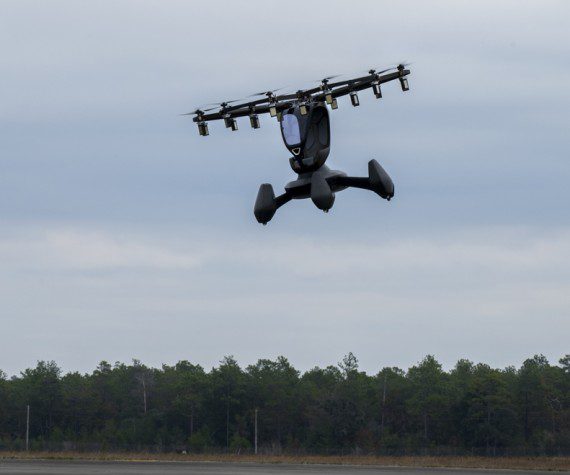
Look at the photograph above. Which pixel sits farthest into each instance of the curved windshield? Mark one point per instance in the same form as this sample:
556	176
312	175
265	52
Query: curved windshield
290	128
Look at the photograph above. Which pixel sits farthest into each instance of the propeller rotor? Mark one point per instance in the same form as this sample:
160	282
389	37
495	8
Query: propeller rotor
377	73
325	81
398	66
223	105
200	110
269	94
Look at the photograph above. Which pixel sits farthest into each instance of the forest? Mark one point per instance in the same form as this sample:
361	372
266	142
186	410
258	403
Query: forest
470	409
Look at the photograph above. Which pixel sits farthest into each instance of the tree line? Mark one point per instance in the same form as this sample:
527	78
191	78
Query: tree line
473	408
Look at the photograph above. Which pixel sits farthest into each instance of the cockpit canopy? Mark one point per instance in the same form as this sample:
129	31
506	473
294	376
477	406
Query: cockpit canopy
306	136
291	129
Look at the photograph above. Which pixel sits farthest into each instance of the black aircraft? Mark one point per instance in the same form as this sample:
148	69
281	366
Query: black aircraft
305	130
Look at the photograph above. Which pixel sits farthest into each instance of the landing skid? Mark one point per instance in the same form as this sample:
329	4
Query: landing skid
321	186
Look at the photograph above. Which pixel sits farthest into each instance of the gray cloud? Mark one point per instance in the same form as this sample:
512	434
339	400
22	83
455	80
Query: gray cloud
124	234
493	294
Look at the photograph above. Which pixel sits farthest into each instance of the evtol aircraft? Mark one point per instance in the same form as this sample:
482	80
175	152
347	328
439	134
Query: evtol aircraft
305	129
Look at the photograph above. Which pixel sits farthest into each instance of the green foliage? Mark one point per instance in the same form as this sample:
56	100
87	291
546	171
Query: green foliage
200	441
239	444
338	409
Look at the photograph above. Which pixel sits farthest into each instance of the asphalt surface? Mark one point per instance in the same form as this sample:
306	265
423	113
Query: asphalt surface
33	467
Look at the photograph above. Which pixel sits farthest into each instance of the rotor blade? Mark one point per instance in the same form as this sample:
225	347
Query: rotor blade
259	94
382	71
218	104
268	92
347	81
198	110
332	84
395	66
328	78
403	64
249	104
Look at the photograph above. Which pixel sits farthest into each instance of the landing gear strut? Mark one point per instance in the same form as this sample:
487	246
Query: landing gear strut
321	186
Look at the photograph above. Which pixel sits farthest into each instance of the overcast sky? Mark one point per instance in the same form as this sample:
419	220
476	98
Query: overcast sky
123	234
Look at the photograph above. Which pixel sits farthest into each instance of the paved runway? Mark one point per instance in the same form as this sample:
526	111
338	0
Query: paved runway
34	467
